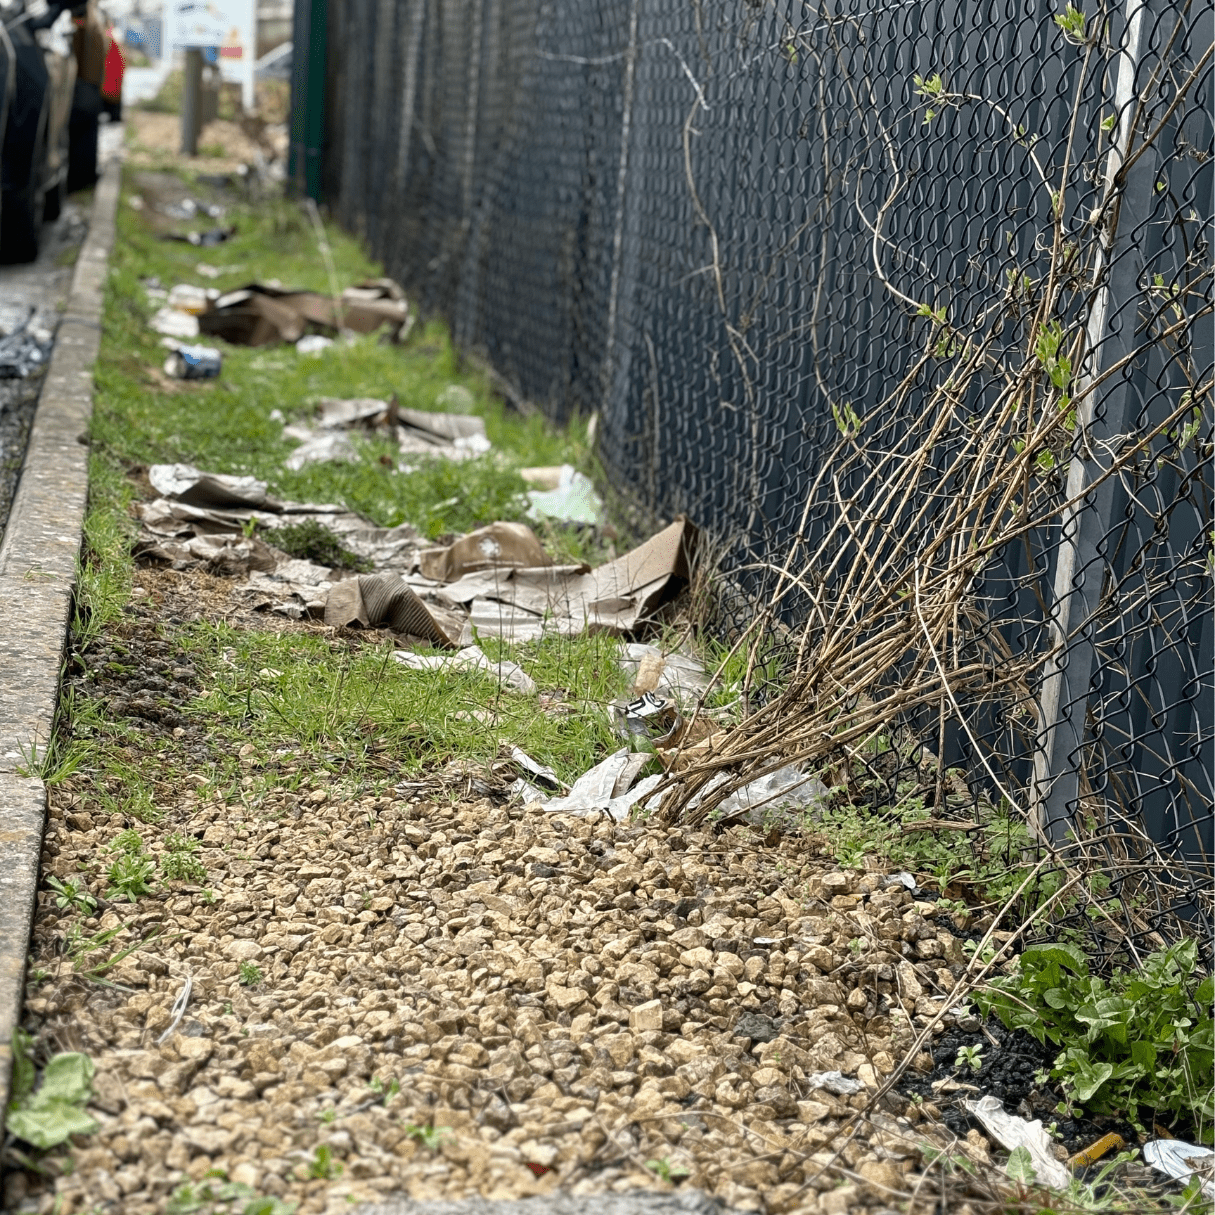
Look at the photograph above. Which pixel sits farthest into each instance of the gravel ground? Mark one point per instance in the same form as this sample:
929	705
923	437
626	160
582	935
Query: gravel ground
574	1006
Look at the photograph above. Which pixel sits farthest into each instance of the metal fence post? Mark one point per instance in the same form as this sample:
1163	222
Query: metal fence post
1102	415
308	95
191	102
622	172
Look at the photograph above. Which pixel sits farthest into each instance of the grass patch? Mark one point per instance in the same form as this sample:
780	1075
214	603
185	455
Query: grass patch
359	712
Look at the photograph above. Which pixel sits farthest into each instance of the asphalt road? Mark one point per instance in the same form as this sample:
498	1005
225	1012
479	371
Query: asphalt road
34	294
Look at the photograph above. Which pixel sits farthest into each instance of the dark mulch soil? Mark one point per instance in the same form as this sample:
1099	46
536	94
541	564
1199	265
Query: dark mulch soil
1007	1073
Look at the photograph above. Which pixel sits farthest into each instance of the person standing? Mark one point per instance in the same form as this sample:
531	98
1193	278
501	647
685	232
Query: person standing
88	46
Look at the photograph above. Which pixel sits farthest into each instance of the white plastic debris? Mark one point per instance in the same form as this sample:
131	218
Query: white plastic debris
574	500
187	298
541	774
834	1082
597	790
1182	1161
674	674
319	447
902	878
455	398
313	343
1013	1131
770	797
179	1008
172	322
509	673
528	793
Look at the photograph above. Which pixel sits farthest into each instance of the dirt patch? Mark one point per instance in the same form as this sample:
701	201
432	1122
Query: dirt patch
417	994
155	139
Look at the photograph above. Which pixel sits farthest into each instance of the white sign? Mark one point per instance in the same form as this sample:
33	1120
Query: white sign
228	26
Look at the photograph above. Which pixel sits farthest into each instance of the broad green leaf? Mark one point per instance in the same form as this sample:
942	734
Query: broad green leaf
1056	997
1020	1166
67	1077
1063	955
1087	1081
50	1123
1205	994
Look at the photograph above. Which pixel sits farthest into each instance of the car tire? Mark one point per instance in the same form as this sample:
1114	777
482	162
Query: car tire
21	211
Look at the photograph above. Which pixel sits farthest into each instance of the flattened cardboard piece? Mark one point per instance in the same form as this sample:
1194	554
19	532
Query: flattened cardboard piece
498	546
185	483
369	411
256	314
541	590
441	428
253	316
385	601
523	603
295	589
418	432
226	554
496	619
644	573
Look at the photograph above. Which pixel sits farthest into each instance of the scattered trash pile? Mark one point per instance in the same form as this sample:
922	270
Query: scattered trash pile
416	432
187	209
498	579
261	314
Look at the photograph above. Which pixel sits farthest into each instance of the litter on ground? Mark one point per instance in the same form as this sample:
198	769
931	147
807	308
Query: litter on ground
1182	1161
1013	1132
416	432
562	493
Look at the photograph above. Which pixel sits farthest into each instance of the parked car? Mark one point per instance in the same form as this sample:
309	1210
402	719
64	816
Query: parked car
34	151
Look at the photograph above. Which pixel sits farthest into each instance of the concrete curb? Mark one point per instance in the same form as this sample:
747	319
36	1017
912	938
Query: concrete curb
37	578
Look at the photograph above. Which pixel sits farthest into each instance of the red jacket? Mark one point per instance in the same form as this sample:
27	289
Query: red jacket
111	84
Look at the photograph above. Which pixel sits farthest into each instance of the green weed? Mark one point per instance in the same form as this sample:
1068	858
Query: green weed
249	974
130	877
386	1092
215	1194
667	1171
322	1166
48	1115
969	1056
1141	1040
428	1136
69	895
180	865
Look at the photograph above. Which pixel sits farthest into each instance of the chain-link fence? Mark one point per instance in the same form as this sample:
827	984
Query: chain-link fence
907	305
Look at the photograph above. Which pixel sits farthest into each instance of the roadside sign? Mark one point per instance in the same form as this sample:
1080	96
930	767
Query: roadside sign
228	26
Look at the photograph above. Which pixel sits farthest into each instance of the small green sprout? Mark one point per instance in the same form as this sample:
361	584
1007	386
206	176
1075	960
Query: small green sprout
428	1136
322	1166
666	1170
69	894
250	975
969	1056
1071	22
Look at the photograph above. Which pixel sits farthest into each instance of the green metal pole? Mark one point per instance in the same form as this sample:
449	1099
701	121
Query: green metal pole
308	96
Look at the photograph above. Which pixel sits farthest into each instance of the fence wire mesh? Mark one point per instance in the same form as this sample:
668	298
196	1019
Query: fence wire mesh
908	307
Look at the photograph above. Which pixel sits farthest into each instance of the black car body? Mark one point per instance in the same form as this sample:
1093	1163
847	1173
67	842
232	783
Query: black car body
33	163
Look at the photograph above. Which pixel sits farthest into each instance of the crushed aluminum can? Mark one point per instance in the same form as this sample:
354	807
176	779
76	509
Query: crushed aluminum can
194	363
650	717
